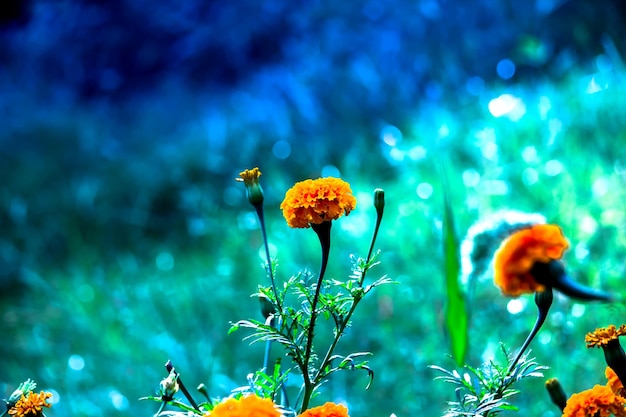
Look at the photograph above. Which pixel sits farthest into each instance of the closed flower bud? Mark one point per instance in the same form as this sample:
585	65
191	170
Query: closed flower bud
267	308
379	199
557	394
169	386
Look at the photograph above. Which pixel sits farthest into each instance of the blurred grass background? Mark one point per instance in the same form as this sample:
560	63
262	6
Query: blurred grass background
126	242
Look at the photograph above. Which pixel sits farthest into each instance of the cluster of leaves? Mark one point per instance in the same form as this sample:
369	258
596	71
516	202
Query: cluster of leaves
289	326
485	391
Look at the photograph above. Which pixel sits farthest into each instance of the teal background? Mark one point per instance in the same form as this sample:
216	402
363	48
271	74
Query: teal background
125	241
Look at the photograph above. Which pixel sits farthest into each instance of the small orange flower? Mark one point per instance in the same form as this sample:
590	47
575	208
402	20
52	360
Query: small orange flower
604	335
31	405
317	201
614	383
599	401
518	253
248	406
326	410
250	178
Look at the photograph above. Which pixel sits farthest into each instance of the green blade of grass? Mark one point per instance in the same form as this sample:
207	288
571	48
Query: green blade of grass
456	317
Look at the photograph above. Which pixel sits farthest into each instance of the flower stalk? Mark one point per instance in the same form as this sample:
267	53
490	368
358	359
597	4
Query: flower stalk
323	233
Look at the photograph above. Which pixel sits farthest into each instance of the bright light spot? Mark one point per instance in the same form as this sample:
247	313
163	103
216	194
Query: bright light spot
417	152
224	267
489	150
247	221
495	187
545	338
530	176
553	167
165	261
330	171
55	396
119	401
600	187
281	149
475	86
443	131
471	178
391	135
593	86
396	154
529	154
76	362
578	310
505	69
554	126
507	105
515	306
545	105
588	225
273	252
581	251
424	190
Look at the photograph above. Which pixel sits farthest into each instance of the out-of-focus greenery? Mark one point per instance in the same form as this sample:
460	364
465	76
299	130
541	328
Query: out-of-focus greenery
125	241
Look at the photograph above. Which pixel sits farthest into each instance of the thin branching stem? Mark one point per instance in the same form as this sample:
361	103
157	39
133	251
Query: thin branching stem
323	233
259	212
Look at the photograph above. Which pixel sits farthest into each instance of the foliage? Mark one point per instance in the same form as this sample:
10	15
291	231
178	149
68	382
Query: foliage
485	391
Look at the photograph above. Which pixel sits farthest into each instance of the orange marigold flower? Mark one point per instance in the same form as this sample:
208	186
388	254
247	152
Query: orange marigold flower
248	406
326	410
317	201
599	401
31	405
614	382
518	253
604	335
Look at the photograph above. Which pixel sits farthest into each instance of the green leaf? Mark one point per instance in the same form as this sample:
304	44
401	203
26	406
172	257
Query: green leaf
456	317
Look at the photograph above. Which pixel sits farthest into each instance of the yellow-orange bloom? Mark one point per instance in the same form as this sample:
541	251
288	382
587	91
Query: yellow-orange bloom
518	253
326	410
31	405
317	201
614	382
248	406
599	401
250	178
604	335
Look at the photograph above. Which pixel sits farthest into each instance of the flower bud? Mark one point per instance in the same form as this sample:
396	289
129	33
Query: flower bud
169	386
267	308
379	200
556	392
250	178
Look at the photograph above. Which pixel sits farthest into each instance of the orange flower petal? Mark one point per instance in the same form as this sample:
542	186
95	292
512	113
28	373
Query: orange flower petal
326	410
519	252
599	401
316	201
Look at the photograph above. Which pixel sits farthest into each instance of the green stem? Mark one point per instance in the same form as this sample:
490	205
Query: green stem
346	320
323	233
259	212
543	300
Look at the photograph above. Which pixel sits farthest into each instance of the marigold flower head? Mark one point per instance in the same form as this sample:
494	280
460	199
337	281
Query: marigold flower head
614	382
326	410
248	406
599	401
518	253
31	405
317	201
604	335
250	178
